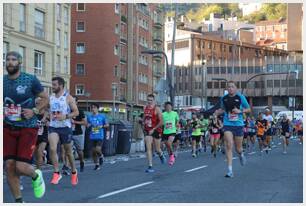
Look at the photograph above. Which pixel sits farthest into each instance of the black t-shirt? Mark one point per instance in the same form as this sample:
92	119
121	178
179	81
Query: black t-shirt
43	129
231	102
78	128
285	125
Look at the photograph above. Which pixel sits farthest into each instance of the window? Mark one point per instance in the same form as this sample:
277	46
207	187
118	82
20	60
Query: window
276	83
58	37
116	50
243	85
243	70
284	83
22	17
117	7
66	15
209	85
216	70
38	62
230	48
79	89
209	70
116	71
80	69
229	70
117	29
58	63
223	85
216	85
58	12
257	70
65	40
237	70
66	65
270	83
39	24
250	70
223	70
80	48
80	7
5	50
80	26
22	52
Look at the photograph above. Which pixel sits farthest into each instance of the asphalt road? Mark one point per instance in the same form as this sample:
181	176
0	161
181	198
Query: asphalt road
270	178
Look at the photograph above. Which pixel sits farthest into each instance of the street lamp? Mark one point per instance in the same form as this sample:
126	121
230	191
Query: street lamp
114	87
87	95
168	72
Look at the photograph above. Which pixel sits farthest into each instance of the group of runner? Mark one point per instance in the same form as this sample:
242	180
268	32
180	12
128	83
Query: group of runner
33	120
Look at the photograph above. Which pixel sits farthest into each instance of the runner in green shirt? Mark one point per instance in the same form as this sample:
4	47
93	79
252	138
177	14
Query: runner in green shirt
170	123
196	134
204	129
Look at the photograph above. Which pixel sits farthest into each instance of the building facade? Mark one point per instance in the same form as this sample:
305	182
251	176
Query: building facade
107	65
41	34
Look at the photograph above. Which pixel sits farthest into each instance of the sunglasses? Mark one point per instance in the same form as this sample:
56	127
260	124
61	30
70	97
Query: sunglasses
12	59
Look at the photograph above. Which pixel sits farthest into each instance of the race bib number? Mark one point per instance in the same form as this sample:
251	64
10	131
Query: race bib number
13	113
233	117
168	125
148	122
95	130
214	130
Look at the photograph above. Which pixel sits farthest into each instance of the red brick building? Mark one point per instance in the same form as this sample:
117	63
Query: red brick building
106	45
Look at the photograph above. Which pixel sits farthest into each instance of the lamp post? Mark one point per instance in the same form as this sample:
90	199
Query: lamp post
168	72
114	87
87	95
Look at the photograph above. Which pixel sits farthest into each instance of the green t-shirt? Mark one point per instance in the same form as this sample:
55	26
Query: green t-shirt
204	123
170	119
196	131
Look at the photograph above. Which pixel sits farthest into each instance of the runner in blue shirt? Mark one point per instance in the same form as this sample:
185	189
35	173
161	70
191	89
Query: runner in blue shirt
97	123
233	105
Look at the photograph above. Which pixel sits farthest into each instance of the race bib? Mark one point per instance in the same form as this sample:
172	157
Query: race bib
233	117
95	130
13	113
148	122
40	130
168	125
214	130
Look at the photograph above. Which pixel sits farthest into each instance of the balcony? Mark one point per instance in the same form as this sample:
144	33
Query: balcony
157	56
123	40
123	60
123	79
158	23
158	38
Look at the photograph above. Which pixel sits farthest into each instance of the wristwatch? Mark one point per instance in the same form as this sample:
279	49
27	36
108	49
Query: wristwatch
35	110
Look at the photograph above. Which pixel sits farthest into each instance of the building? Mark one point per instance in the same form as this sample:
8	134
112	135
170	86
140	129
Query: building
248	8
107	65
272	33
41	34
295	27
232	60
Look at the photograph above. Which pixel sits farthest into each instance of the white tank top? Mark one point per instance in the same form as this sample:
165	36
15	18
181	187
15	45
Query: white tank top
59	105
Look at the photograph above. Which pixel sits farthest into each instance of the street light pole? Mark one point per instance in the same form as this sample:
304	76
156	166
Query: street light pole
114	99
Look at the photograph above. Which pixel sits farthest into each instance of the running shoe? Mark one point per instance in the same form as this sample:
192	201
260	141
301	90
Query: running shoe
81	166
229	175
284	152
65	170
171	160
242	159
215	155
150	169
175	154
101	160
38	185
194	155
97	167
56	178
162	158
74	178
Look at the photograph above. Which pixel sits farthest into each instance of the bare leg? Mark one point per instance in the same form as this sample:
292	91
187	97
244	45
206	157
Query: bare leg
53	141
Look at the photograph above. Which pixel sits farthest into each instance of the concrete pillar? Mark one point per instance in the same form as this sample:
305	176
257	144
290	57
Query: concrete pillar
270	103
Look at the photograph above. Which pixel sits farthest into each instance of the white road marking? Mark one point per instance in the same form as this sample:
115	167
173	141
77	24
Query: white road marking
197	168
279	143
125	189
251	153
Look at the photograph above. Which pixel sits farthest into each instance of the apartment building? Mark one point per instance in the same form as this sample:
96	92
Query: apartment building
41	34
107	65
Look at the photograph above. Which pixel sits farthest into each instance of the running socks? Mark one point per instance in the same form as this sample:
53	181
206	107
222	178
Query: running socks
230	169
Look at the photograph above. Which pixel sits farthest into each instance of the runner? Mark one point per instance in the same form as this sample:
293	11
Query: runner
204	129
62	109
285	132
214	130
196	134
20	125
78	135
233	105
178	138
261	125
251	134
152	130
299	129
267	116
170	125
42	139
97	124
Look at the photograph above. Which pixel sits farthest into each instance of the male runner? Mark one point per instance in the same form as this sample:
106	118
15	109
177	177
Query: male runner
78	136
153	121
267	116
261	125
233	105
204	129
251	134
97	123
62	109
170	125
20	125
285	132
196	134
299	129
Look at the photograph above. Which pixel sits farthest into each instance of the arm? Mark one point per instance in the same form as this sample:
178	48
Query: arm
73	106
160	117
83	121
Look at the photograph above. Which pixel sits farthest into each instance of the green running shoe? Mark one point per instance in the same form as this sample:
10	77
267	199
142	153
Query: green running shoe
39	185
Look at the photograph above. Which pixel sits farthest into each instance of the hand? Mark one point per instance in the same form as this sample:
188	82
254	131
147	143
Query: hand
72	121
107	135
236	111
151	132
61	117
27	113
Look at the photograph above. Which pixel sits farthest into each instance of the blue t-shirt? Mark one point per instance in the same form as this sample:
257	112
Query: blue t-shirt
231	119
96	122
21	91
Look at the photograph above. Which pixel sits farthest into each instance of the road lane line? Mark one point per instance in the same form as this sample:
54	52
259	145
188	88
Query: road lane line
197	168
251	153
123	190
